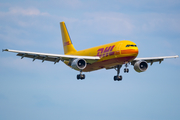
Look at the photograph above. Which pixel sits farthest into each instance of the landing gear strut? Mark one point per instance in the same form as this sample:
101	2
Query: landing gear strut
117	77
126	70
81	76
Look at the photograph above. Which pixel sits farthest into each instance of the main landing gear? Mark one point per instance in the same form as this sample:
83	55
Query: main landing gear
117	77
81	76
117	68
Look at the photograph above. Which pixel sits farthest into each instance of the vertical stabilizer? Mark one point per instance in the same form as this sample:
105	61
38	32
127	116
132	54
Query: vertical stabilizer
67	43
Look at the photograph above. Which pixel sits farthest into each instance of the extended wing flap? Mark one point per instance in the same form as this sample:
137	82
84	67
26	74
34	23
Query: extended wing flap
51	57
39	57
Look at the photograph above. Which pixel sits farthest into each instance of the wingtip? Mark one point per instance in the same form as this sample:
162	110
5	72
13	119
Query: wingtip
4	50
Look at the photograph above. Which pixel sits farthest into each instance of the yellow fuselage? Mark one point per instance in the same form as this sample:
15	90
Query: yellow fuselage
111	54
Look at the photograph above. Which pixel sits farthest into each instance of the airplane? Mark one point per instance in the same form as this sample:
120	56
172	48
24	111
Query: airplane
109	56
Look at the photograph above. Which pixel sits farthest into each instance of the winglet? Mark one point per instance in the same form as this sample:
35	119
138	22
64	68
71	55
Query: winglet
4	50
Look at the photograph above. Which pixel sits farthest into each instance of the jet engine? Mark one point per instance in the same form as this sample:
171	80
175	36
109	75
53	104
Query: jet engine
78	64
140	66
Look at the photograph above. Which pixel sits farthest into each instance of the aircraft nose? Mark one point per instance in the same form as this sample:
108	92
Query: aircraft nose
130	51
136	51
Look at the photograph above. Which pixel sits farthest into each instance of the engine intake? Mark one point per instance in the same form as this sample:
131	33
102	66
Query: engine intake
78	64
140	66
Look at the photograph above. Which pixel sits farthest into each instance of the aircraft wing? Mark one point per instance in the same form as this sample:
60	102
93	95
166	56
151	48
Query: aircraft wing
153	59
51	57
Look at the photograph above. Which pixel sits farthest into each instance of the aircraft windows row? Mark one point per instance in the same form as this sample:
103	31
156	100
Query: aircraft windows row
131	45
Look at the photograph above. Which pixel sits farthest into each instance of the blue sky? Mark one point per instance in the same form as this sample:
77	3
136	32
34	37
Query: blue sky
35	90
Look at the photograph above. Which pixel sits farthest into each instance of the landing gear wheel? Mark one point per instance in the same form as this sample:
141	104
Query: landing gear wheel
118	78
115	78
126	70
78	77
81	76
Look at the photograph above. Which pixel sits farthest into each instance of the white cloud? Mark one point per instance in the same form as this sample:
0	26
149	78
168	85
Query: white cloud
19	23
115	23
24	12
28	11
10	35
109	23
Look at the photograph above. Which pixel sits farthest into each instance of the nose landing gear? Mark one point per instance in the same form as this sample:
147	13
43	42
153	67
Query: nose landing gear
126	70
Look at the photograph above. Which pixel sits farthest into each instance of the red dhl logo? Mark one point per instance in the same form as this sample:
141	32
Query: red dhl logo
105	52
67	43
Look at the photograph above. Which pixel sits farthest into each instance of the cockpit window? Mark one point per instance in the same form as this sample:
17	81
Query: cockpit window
131	45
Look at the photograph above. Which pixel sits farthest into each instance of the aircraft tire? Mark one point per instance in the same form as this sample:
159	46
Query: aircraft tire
127	70
83	76
118	78
114	78
78	77
124	70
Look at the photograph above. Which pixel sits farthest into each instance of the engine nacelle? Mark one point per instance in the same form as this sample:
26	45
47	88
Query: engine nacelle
140	66
78	64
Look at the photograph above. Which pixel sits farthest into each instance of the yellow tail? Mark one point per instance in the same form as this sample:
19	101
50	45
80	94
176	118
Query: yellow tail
67	43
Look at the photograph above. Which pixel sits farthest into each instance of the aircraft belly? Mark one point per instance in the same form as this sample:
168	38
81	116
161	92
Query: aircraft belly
108	63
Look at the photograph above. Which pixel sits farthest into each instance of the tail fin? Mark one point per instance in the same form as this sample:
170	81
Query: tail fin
67	43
